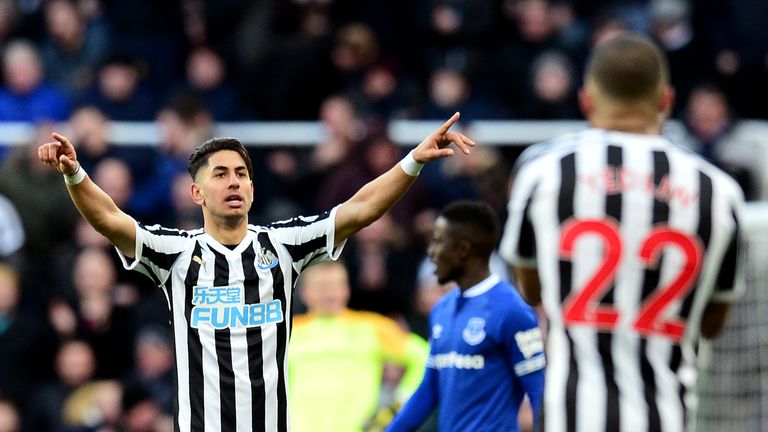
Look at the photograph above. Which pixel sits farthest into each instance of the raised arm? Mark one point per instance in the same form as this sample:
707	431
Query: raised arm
92	202
380	194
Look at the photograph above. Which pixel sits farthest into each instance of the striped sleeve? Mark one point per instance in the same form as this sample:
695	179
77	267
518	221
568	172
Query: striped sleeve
308	239
727	286
157	249
518	243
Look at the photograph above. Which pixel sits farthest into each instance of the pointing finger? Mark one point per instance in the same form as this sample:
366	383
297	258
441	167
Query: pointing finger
63	140
450	122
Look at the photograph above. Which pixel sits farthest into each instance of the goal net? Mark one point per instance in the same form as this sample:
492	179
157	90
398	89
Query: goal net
733	382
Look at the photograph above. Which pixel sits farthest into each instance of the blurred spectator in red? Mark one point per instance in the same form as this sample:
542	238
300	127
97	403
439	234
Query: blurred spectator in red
26	95
71	50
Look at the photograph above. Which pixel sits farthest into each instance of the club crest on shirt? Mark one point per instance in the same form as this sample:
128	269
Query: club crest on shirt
474	332
437	331
265	260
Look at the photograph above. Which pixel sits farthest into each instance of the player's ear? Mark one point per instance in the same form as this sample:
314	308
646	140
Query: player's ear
667	100
197	195
586	102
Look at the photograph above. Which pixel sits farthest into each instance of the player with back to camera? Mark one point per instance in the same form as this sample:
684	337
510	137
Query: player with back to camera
630	243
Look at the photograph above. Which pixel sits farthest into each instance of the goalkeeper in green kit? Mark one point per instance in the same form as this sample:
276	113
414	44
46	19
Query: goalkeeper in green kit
337	356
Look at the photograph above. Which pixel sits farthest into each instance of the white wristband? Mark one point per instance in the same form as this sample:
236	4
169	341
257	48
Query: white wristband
76	177
410	166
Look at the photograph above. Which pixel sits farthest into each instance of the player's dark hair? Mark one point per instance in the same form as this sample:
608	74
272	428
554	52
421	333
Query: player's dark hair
201	154
628	68
478	221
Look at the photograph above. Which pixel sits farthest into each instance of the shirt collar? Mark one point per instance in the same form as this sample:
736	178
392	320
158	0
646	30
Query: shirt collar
482	287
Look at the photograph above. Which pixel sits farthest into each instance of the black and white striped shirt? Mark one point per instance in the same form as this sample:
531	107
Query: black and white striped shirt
231	316
632	237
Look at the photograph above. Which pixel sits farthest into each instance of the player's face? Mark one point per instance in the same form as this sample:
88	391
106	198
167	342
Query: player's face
325	289
445	251
223	187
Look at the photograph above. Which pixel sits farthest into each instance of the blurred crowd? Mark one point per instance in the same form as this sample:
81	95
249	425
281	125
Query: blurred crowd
85	345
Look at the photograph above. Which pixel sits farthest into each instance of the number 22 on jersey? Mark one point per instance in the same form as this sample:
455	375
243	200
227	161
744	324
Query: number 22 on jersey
583	306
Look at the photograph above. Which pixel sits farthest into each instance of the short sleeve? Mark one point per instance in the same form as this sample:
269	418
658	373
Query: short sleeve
518	243
728	286
308	239
157	249
523	341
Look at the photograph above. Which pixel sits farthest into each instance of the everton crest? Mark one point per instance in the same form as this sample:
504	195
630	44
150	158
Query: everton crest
474	332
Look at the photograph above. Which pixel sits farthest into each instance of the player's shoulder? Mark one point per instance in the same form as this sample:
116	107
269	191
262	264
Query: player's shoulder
505	295
446	300
359	317
296	222
721	180
541	153
302	320
160	230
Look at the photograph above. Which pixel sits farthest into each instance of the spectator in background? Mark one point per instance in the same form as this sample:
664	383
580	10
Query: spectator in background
10	21
449	91
374	156
337	356
141	413
11	232
684	45
183	123
93	406
154	366
120	91
100	314
114	176
26	343
383	95
74	365
734	146
71	50
457	35
356	49
552	94
382	268
530	28
345	130
46	218
10	419
207	79
26	95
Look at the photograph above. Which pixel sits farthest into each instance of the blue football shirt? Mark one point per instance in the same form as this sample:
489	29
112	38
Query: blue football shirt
486	353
